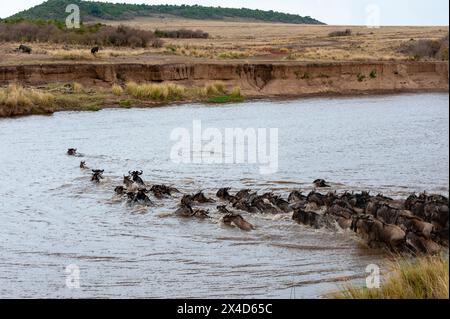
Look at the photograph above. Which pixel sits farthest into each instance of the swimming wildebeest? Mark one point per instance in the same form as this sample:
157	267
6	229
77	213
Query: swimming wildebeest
186	210
95	50
24	49
223	194
160	191
83	165
231	219
376	232
97	175
136	177
72	151
320	183
119	190
201	198
142	198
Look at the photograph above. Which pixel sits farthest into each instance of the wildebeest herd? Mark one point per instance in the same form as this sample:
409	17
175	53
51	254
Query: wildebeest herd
417	224
26	49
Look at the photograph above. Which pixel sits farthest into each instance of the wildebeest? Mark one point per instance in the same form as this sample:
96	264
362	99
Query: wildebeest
200	213
296	196
97	175
237	220
83	165
320	183
72	151
25	49
119	190
95	50
278	202
312	219
142	198
186	200
224	194
376	232
160	190
201	198
184	211
136	175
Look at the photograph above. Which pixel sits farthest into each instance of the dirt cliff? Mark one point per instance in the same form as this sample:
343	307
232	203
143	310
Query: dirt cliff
274	79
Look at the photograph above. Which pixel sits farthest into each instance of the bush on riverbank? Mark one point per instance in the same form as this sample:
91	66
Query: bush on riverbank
181	34
345	33
423	278
95	34
16	100
426	49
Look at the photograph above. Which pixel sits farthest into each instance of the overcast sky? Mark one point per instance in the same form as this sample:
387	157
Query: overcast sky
343	12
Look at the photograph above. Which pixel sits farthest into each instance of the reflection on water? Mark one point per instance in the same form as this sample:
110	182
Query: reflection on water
53	216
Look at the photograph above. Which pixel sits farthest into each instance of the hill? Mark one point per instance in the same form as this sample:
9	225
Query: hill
91	11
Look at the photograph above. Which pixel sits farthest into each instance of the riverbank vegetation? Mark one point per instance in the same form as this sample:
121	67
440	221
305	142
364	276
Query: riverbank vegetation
16	100
96	34
426	49
214	93
421	278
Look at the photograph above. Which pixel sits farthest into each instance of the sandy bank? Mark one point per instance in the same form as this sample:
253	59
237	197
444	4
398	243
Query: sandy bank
274	79
256	80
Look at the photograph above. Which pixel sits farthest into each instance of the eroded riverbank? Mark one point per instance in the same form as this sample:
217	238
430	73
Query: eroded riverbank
267	80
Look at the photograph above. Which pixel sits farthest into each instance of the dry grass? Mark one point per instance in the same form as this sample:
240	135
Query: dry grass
16	100
86	55
236	92
243	41
77	87
157	92
274	41
117	90
174	92
423	278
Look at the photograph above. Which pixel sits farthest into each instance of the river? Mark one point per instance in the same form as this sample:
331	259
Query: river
53	216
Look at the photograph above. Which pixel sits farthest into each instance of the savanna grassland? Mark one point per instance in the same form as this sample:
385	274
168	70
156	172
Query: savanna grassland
246	41
167	40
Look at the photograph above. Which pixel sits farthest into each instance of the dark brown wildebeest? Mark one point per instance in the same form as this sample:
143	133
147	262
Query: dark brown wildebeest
83	165
136	177
376	232
237	220
320	183
97	175
25	49
224	194
95	50
201	198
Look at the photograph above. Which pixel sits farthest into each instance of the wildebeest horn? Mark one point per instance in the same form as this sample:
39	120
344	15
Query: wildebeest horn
141	172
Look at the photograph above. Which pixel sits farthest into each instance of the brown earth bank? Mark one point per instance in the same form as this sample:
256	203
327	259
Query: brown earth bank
255	80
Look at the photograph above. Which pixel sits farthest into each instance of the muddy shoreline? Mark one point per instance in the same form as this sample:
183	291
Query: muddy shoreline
275	80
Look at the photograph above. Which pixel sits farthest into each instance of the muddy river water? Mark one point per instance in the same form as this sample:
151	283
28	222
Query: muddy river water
53	216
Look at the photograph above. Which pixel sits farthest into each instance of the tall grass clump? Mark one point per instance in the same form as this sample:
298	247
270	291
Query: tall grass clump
157	92
236	92
216	88
16	100
117	90
77	87
423	278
